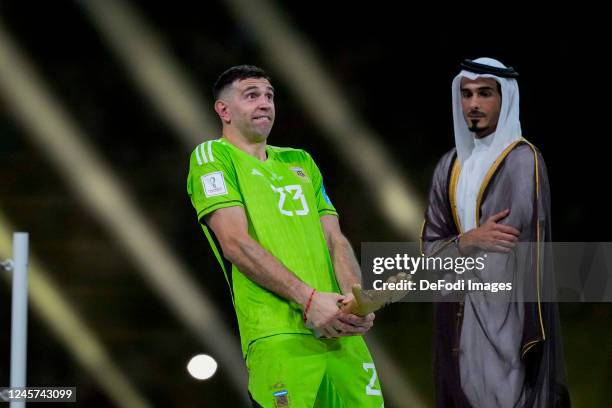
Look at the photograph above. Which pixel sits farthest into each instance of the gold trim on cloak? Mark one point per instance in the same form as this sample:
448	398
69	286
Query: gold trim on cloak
532	343
489	176
452	192
421	237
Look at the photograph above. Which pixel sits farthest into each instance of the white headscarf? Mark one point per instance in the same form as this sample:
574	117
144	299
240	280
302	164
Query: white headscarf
477	156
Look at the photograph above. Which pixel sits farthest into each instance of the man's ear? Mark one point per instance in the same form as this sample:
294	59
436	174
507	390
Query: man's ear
222	110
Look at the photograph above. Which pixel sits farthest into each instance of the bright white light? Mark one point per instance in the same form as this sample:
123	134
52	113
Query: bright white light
202	367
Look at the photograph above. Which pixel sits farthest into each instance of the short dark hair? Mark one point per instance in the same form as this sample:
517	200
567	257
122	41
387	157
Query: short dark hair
238	72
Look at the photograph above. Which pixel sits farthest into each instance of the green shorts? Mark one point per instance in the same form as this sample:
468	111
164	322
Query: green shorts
297	370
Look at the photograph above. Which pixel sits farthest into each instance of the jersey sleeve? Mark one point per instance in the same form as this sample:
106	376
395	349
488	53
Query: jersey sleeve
324	204
212	182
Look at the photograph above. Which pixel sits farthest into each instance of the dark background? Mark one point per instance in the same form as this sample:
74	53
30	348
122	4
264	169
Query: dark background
394	68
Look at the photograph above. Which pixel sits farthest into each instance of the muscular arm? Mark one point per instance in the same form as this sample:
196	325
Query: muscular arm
345	264
347	272
231	229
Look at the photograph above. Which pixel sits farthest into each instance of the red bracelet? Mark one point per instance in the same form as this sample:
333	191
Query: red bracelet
308	304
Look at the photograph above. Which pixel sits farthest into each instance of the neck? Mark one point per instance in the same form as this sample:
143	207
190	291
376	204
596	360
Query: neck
256	147
483	133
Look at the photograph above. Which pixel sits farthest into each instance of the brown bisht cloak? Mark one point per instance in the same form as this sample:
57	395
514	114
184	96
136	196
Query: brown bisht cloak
517	180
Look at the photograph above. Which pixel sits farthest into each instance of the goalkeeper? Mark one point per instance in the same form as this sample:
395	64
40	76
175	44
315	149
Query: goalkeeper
276	234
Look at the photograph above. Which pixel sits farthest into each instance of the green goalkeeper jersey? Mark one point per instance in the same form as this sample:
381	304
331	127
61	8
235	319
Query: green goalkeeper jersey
283	198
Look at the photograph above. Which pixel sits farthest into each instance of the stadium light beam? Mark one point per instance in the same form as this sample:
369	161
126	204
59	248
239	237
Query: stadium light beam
303	73
154	70
71	330
108	200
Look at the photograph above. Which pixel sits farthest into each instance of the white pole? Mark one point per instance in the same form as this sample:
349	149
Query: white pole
19	324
